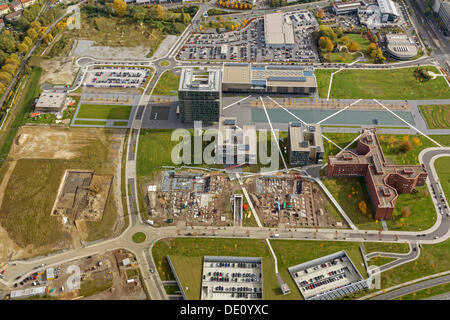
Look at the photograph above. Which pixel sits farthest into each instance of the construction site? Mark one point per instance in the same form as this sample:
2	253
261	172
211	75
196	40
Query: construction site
292	201
82	195
193	197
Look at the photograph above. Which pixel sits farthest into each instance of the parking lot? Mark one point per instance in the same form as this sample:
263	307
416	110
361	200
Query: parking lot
248	44
116	77
324	274
231	278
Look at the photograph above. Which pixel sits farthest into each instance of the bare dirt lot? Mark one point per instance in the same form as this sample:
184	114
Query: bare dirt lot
60	70
38	159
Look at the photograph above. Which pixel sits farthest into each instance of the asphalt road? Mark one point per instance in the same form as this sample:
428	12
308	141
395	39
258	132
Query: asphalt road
413	288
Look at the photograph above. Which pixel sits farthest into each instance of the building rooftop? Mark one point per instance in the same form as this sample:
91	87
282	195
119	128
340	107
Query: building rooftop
50	100
387	6
401	45
193	79
379	169
277	30
269	75
305	137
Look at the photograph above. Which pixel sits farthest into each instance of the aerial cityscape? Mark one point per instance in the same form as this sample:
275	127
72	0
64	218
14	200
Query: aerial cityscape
233	150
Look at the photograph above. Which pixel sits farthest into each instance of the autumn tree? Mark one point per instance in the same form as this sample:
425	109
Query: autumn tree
362	206
22	47
405	146
120	7
353	46
416	141
326	44
320	13
405	212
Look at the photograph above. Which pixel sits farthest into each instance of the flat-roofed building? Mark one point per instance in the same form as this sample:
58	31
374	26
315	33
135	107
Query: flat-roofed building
305	144
329	277
51	102
199	94
236	145
400	46
388	10
384	181
347	7
444	14
278	33
255	78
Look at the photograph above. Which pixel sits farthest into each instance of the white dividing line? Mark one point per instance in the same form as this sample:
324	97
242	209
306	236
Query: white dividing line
273	254
273	133
345	148
332	115
234	103
287	110
408	123
331	78
302	121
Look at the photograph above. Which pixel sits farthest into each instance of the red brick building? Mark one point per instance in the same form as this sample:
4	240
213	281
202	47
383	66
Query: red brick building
384	181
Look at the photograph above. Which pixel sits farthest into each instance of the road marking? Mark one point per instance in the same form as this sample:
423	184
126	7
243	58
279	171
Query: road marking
234	103
332	115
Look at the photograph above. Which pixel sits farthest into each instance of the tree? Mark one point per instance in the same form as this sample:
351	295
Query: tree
161	12
362	206
120	7
23	48
36	25
320	13
405	212
28	41
353	46
139	14
345	40
32	33
5	77
416	141
325	31
326	44
405	146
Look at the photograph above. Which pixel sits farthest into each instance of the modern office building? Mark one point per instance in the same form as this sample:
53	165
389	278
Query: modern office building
236	145
384	181
388	10
400	46
347	7
278	32
305	144
199	94
255	78
442	8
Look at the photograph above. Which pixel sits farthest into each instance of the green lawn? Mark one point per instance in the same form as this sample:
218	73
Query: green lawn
426	293
186	255
436	116
167	84
386	247
46	118
442	166
396	84
104	111
120	123
341	139
90	123
380	261
433	259
139	237
165	63
90	287
172	289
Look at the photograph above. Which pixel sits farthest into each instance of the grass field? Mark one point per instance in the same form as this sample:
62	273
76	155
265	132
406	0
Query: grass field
172	289
120	123
436	116
186	254
139	237
165	63
433	259
104	111
90	287
341	139
22	108
32	189
426	293
167	84
380	261
386	247
442	166
116	32
90	123
396	84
